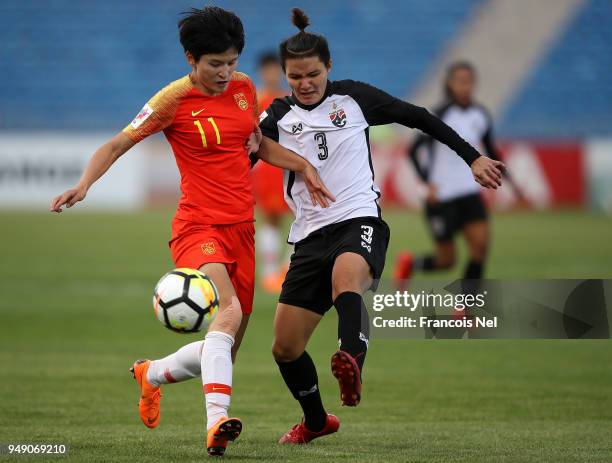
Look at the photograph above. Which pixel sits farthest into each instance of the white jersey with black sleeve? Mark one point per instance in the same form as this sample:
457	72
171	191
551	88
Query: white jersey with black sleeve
333	136
441	167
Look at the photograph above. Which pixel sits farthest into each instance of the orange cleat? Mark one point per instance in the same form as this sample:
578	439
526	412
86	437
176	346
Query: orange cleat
224	430
148	405
300	434
403	270
346	371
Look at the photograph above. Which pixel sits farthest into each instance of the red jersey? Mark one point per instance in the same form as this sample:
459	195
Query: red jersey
265	99
207	135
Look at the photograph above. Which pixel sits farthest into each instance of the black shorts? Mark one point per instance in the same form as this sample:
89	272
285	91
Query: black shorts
448	217
308	282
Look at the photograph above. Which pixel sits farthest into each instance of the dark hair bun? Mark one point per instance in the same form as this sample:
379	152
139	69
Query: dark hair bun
299	19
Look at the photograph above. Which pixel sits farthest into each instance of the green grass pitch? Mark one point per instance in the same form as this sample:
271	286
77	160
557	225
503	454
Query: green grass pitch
75	311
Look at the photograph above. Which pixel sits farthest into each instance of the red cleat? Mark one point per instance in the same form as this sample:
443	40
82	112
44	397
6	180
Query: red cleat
299	434
403	270
346	371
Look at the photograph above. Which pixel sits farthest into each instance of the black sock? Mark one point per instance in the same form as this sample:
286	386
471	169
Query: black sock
300	375
472	275
473	270
353	325
424	264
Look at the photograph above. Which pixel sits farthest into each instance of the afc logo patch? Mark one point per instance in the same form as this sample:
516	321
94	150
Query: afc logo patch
241	101
338	117
142	116
208	248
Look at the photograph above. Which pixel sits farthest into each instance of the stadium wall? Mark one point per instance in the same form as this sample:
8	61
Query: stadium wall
35	166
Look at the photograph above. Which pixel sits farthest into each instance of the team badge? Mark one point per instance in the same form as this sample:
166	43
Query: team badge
241	101
295	129
142	116
338	116
208	248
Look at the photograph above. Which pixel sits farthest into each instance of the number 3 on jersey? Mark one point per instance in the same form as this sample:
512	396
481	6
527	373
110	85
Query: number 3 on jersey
321	139
198	124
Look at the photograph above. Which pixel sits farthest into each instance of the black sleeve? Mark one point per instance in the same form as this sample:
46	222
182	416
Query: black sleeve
381	108
421	141
488	142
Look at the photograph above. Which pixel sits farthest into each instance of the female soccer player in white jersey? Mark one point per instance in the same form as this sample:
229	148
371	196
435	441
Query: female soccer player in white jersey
339	251
453	202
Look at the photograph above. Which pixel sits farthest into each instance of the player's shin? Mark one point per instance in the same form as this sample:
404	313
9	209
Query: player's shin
300	375
353	325
216	365
182	365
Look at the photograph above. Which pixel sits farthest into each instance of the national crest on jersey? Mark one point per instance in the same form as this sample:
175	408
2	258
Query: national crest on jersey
337	116
241	101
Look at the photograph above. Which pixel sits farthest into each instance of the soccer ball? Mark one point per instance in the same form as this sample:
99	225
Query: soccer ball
185	300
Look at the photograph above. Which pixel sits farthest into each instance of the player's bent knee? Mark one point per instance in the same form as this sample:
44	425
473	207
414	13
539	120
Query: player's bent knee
228	319
285	352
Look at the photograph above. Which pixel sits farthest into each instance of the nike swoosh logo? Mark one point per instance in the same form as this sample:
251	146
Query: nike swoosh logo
152	420
195	113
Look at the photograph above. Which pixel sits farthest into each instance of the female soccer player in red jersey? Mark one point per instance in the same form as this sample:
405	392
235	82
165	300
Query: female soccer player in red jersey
208	117
339	251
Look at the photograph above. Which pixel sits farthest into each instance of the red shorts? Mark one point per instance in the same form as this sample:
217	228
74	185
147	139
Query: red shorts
268	189
194	245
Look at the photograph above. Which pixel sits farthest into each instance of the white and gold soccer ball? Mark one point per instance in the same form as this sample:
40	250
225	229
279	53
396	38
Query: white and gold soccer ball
185	300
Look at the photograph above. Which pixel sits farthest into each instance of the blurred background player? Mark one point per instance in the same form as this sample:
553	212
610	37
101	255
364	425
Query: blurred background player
268	187
208	117
340	251
453	202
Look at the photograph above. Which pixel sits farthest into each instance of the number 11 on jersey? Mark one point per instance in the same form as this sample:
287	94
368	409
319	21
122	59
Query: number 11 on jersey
198	124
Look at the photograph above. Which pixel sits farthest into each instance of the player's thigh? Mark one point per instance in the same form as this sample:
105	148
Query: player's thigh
440	221
477	238
241	249
351	272
359	258
229	318
293	327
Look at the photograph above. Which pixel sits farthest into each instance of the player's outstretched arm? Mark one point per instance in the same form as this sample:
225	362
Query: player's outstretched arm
103	158
279	156
381	108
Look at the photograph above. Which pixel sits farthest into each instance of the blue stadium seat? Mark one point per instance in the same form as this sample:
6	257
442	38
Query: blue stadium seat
91	65
569	93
